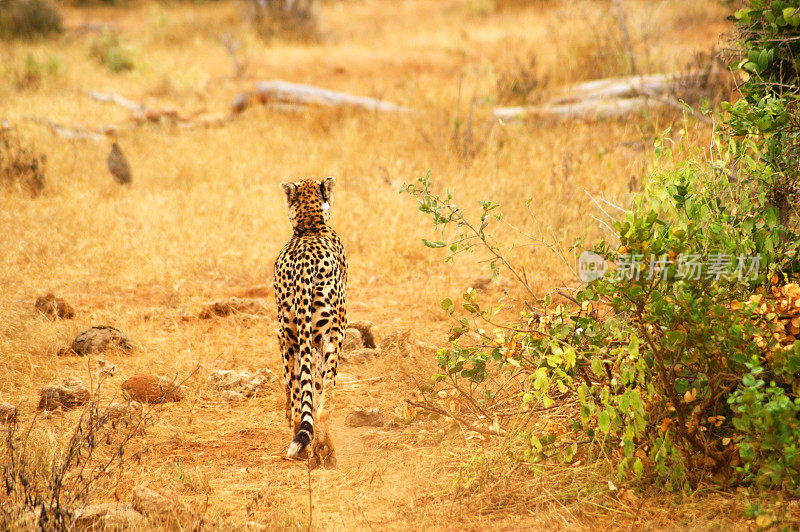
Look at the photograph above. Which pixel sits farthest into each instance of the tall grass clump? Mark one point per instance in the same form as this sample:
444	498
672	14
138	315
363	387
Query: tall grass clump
290	20
28	18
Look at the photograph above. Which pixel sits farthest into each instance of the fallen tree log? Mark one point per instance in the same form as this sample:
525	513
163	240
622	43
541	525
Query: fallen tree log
140	112
609	108
606	98
626	87
296	94
68	132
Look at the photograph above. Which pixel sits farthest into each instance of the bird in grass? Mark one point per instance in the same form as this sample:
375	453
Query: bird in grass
117	162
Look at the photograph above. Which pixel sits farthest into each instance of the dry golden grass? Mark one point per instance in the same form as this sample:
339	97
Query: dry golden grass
204	219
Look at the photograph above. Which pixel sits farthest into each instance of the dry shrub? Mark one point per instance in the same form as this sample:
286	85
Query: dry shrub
706	81
49	475
21	168
291	20
34	71
591	42
508	5
490	484
28	18
519	82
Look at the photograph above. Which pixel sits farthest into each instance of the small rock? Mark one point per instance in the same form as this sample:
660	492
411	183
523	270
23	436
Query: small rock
367	331
8	412
69	394
230	306
246	383
153	389
54	307
252	384
396	342
261	290
119	410
108	516
361	355
151	503
481	283
107	369
224	379
164	507
99	339
232	397
352	340
364	417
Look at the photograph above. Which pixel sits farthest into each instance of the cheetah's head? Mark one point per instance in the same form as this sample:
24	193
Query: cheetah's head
308	202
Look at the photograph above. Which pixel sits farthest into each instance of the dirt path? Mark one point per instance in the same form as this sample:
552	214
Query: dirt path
227	459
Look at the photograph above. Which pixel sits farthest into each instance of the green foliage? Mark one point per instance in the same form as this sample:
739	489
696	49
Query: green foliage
31	74
112	53
769	36
660	383
768	32
693	374
28	18
447	216
768	421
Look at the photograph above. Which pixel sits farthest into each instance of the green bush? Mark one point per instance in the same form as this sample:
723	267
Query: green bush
28	18
693	374
112	53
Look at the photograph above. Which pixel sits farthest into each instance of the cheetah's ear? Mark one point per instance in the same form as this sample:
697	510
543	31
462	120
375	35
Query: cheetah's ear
289	192
327	189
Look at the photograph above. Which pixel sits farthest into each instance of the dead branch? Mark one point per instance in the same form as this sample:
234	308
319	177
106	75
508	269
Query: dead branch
140	112
604	98
233	45
283	92
112	97
72	132
611	108
622	87
467	425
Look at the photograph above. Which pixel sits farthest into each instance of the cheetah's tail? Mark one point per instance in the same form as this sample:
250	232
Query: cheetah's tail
301	440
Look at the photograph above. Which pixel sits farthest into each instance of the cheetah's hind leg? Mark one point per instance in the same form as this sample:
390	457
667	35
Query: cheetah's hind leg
322	451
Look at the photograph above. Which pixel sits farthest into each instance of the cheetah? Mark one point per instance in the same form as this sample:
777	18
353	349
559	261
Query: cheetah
310	291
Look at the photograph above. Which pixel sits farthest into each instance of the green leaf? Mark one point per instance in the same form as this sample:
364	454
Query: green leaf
604	421
433	244
597	366
638	467
569	357
448	306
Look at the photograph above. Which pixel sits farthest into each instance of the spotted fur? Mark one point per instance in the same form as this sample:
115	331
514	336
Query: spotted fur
310	289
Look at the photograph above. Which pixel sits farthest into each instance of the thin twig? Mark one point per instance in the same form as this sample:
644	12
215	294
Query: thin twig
310	500
672	102
371	379
612	205
598	204
623	24
564	294
467	424
604	224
